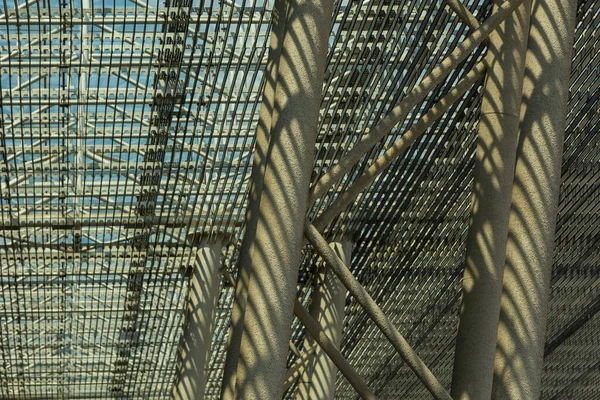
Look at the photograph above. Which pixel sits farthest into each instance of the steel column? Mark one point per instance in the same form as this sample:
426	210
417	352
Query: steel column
277	241
488	228
204	289
521	331
327	305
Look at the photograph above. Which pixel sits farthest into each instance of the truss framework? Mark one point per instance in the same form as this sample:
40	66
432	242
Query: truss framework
127	126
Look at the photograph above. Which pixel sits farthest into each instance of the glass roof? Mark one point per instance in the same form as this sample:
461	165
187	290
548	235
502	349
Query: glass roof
127	126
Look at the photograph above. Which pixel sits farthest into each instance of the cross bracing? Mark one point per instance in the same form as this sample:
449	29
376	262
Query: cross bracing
128	127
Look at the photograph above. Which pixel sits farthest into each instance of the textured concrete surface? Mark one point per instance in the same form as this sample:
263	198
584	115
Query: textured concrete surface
277	241
328	301
490	208
203	295
521	331
261	149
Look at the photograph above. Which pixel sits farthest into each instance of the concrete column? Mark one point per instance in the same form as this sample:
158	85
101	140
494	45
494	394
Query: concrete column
276	242
204	289
327	307
488	229
261	149
522	327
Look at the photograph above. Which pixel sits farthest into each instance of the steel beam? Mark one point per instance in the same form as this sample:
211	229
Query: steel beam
573	327
463	13
375	313
204	288
315	330
397	149
296	370
118	16
575	382
276	242
526	285
328	301
417	94
490	207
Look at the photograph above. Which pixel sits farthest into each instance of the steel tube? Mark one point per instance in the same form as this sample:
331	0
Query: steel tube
375	313
526	285
407	139
204	288
315	330
490	207
295	370
299	367
463	13
276	243
417	94
327	307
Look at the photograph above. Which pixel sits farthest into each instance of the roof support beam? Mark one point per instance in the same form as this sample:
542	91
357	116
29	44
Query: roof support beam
204	289
490	207
328	301
573	327
297	369
276	240
315	330
375	313
526	285
399	147
463	13
416	95
571	387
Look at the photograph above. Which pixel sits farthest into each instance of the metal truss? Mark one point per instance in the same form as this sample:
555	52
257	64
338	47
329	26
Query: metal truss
104	103
114	149
127	126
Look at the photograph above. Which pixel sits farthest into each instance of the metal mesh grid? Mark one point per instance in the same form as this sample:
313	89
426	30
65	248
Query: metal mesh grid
571	355
128	125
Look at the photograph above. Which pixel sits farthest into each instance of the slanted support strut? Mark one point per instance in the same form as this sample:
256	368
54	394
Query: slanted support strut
375	313
327	305
204	289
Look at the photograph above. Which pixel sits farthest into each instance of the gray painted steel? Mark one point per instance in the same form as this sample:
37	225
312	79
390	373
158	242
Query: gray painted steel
328	302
